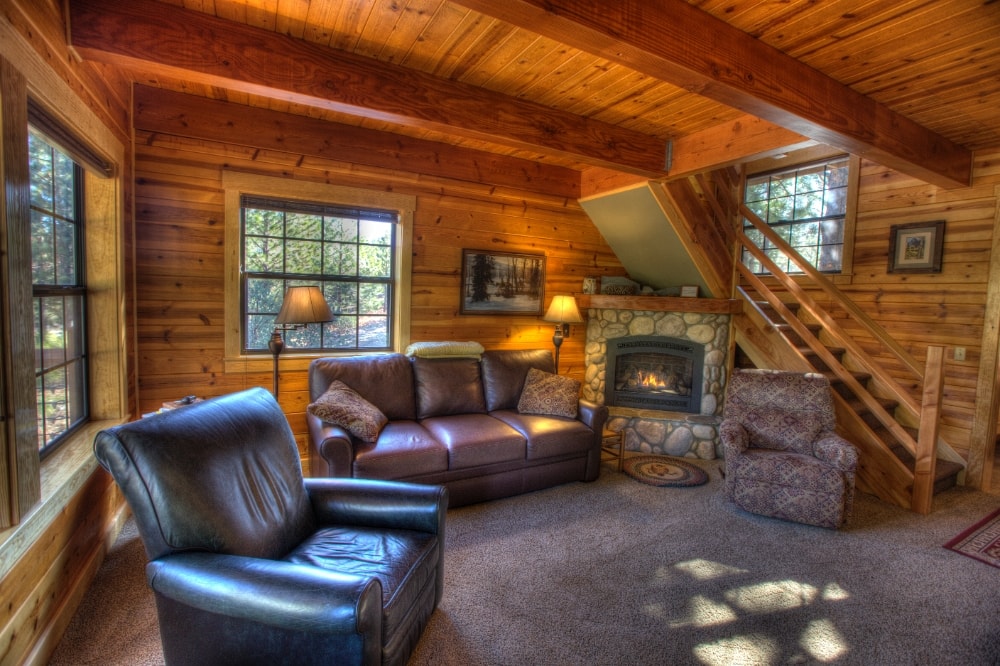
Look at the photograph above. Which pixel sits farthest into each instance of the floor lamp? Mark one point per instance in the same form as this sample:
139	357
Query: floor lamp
563	312
301	306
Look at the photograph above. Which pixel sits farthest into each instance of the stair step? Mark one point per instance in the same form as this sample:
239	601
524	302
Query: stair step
861	409
945	471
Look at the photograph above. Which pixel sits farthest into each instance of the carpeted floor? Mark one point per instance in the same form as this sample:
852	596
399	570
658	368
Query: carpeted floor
620	572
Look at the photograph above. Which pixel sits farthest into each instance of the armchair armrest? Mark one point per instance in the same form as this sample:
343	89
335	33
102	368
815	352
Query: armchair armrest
837	451
272	592
592	415
734	437
377	503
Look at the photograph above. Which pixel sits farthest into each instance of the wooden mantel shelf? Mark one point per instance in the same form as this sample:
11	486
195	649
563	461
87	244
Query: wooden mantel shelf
660	303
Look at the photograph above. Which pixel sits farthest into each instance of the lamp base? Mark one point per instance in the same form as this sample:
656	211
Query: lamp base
276	344
557	340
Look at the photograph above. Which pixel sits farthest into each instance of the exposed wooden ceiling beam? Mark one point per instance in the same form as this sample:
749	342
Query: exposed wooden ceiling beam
166	40
168	112
676	42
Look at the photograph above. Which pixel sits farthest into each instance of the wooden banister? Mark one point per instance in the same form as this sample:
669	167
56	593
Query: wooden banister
930	413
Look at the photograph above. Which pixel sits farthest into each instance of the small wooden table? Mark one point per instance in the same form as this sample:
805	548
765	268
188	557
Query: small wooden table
613	446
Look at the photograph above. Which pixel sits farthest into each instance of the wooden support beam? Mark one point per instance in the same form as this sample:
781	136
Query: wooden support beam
927	434
674	41
160	40
167	112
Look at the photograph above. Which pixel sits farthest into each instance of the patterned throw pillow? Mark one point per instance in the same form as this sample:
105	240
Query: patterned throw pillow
343	406
549	394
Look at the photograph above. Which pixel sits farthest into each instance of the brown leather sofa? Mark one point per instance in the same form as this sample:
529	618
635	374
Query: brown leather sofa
455	422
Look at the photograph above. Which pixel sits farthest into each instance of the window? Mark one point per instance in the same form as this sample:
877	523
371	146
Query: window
807	206
58	290
347	252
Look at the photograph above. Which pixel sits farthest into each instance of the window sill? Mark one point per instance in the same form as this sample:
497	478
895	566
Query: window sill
62	475
287	361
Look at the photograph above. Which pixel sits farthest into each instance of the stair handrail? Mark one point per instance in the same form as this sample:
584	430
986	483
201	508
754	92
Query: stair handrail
876	409
859	315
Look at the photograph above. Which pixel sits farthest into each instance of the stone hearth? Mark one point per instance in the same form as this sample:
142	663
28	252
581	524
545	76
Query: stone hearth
655	431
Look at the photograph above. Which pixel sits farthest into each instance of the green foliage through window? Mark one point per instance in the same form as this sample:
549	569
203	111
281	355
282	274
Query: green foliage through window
807	207
347	252
59	292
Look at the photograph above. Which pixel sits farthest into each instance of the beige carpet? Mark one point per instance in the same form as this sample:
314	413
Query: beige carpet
619	572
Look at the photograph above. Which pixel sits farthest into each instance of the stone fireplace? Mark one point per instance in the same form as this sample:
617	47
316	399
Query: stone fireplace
654	372
662	375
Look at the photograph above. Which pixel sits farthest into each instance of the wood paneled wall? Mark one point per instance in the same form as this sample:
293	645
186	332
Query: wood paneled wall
180	243
945	308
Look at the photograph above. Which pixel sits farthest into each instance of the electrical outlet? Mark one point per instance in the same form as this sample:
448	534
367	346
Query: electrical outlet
959	353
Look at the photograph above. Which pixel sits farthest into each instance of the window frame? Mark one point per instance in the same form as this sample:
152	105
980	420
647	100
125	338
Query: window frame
236	184
77	291
803	159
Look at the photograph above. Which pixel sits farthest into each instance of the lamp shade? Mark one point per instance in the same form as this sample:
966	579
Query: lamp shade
563	310
304	305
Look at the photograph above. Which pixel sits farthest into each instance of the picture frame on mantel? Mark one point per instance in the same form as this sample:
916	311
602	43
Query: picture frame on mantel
916	247
689	291
502	283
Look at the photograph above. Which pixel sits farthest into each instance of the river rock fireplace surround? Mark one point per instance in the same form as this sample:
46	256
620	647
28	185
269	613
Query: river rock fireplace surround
662	375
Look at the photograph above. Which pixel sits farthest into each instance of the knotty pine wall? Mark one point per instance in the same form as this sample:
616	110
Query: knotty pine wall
179	261
918	310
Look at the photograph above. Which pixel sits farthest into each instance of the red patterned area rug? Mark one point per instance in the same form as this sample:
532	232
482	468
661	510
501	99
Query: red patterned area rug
981	541
664	471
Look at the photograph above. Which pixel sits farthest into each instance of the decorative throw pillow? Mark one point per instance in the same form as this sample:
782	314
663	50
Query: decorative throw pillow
343	406
549	394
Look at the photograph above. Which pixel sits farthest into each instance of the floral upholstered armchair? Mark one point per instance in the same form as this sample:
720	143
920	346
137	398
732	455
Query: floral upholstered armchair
783	458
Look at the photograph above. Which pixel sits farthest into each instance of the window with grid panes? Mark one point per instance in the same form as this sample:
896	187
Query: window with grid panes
806	206
347	252
58	290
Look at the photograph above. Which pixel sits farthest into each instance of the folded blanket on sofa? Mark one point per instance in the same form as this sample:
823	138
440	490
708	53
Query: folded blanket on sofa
445	349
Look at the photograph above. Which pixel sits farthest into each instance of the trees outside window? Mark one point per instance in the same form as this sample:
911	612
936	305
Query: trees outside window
347	252
807	206
59	290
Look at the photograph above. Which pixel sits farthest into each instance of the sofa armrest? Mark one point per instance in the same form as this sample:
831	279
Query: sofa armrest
837	451
272	592
593	415
376	503
332	450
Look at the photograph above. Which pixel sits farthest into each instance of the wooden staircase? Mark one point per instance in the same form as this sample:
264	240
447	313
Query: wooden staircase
903	460
852	407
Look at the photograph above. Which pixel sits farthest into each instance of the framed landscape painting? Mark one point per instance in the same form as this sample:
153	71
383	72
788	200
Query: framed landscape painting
502	283
916	247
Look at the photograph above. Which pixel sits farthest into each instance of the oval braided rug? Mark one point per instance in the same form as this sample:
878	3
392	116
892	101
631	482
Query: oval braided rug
664	471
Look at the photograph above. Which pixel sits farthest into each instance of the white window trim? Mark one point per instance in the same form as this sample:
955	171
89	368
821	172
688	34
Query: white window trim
237	183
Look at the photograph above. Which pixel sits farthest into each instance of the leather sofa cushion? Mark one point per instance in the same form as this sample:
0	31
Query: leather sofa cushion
404	448
548	436
476	439
385	381
448	386
504	372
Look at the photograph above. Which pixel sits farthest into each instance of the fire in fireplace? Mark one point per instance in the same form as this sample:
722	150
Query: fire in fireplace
655	372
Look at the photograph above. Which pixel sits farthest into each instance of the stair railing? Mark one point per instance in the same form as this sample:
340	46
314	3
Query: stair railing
924	449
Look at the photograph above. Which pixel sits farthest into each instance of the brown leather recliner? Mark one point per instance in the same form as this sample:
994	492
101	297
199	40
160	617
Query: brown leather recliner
251	563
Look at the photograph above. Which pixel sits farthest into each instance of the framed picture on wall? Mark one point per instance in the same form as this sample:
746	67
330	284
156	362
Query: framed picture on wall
499	283
916	247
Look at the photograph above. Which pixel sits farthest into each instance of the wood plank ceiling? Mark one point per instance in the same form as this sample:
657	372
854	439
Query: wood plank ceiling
913	84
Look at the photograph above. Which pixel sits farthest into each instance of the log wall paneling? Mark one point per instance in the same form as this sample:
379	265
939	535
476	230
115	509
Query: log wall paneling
180	277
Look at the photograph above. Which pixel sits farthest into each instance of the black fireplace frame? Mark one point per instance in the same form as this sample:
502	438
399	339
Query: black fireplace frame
639	344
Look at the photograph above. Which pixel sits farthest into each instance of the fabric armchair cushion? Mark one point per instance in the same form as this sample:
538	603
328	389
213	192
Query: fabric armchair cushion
782	456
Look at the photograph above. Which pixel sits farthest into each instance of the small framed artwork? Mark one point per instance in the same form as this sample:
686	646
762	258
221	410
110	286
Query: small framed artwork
499	283
590	285
916	247
689	291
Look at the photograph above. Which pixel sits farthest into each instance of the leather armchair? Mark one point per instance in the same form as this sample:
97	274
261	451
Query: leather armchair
782	456
250	563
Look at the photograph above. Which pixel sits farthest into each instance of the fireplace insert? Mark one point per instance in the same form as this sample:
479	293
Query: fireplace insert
654	372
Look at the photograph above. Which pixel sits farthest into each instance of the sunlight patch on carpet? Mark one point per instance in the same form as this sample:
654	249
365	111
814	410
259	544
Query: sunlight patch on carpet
772	596
707	570
705	613
834	592
738	650
823	641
